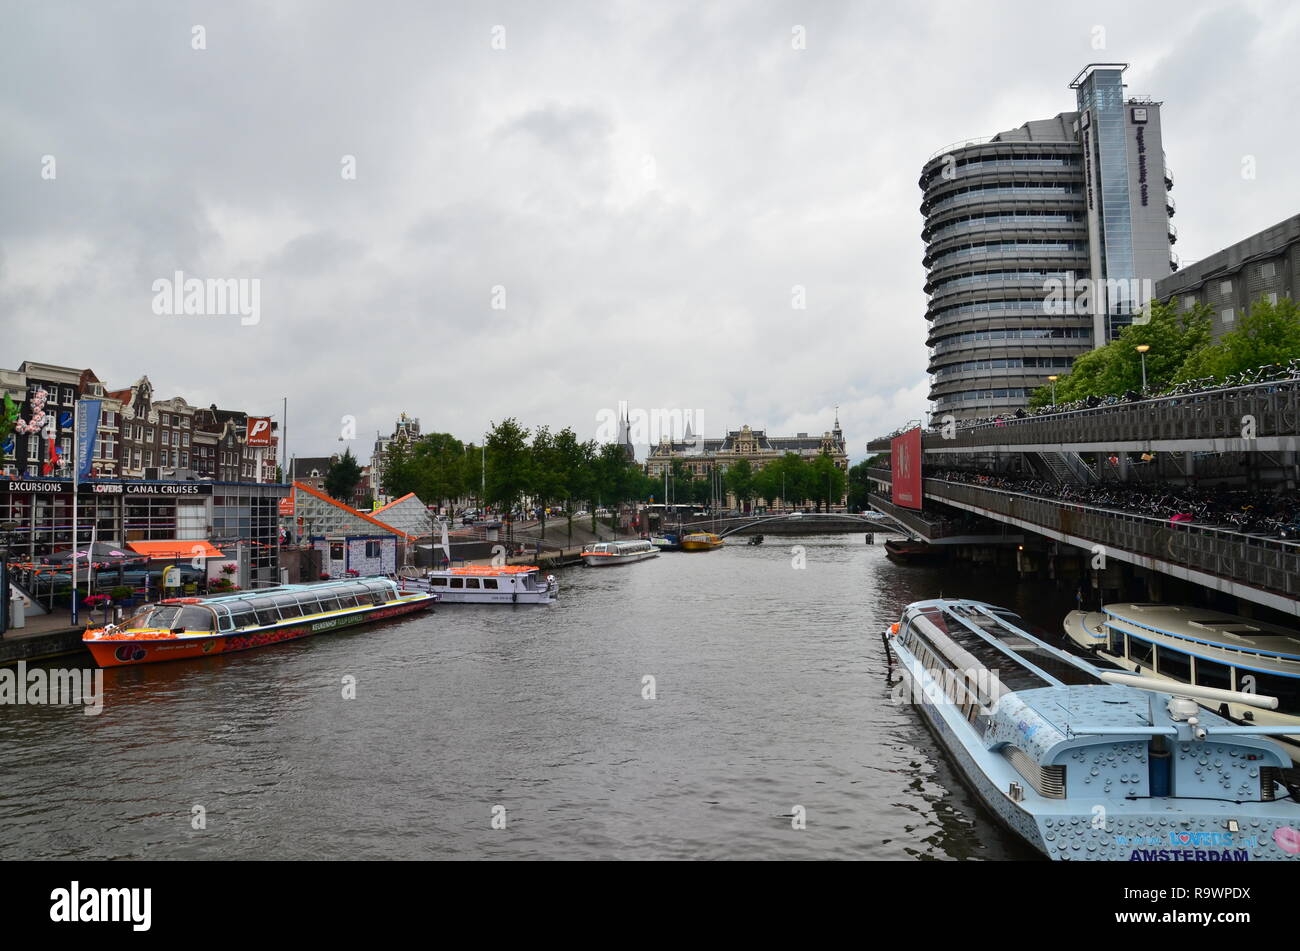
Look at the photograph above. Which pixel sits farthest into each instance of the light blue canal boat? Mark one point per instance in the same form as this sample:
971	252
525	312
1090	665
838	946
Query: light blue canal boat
1088	764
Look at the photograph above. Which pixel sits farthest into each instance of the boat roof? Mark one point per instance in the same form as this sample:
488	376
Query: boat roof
479	570
1000	640
1269	653
279	589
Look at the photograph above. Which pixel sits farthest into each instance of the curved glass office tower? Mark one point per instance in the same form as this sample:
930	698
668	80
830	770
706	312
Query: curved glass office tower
1023	232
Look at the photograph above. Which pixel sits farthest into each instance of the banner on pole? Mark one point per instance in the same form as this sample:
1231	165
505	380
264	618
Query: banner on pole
87	430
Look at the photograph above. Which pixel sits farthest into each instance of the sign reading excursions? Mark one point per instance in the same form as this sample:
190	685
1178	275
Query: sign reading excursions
108	488
905	451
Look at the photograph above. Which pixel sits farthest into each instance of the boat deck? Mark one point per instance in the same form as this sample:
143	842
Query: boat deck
1020	663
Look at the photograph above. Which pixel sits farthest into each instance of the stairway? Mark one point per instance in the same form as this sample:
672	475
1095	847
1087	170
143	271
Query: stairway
1066	467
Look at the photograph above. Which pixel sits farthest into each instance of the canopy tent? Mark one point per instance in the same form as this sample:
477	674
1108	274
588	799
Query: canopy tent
179	548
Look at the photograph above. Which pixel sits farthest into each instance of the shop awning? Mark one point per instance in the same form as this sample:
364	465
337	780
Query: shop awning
180	548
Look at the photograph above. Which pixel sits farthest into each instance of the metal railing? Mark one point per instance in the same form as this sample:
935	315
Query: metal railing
1266	564
928	529
1273	409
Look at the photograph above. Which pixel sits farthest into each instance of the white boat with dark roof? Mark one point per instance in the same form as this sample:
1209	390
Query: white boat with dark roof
618	553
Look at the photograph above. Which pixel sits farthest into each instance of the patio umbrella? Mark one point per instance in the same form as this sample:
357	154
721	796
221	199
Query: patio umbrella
101	553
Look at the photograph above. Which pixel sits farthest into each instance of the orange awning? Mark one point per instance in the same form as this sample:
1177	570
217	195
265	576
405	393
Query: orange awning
180	548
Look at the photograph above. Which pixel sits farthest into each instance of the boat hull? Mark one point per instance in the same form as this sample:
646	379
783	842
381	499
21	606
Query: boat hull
598	560
114	652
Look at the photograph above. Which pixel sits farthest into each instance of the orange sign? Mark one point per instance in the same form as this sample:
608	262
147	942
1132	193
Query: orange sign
259	431
286	506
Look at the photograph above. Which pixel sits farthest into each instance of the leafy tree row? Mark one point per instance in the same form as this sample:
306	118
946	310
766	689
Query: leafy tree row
1180	350
556	468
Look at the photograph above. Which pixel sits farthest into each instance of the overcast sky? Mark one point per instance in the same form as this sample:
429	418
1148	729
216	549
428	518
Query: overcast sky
647	181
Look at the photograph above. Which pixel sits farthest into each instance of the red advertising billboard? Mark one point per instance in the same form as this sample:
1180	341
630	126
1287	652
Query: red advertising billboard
259	431
905	452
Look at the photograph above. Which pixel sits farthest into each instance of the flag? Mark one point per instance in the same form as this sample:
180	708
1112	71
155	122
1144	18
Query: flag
87	431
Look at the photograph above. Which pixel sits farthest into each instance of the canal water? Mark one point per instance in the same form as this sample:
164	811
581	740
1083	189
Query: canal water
770	700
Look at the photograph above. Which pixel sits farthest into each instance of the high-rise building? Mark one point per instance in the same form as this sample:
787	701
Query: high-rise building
1041	243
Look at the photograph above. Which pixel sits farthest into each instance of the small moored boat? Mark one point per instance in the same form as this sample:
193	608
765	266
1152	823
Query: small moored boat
180	628
618	553
668	541
502	584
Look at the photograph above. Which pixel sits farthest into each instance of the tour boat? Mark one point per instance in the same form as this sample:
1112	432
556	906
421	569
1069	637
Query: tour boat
180	628
1090	764
1186	644
701	541
503	584
618	553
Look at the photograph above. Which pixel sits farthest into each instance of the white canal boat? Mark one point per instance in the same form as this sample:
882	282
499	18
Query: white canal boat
618	553
504	584
1190	645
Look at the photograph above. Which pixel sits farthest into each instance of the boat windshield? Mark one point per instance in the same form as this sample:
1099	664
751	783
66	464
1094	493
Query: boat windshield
170	617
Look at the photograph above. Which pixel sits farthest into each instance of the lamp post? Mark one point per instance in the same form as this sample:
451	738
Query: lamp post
1053	379
1142	349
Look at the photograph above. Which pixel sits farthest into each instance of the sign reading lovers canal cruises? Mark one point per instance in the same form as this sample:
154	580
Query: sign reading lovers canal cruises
40	486
905	463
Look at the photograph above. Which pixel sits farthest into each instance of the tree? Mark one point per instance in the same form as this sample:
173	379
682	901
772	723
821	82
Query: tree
571	460
342	477
825	481
1173	338
859	483
1268	334
509	464
740	482
767	483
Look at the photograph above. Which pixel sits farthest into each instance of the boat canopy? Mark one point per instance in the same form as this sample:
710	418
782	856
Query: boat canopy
267	606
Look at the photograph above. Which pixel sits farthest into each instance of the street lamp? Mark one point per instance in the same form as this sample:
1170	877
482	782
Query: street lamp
1053	379
1142	349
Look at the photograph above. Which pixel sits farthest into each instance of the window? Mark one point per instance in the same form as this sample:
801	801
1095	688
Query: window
243	615
373	549
490	584
457	583
1228	315
289	607
1225	288
472	583
1211	674
1189	303
1175	664
1286	689
1268	269
166	437
1140	651
195	619
266	611
440	582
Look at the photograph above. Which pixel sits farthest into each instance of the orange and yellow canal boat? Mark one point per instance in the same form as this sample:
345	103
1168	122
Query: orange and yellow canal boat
181	628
